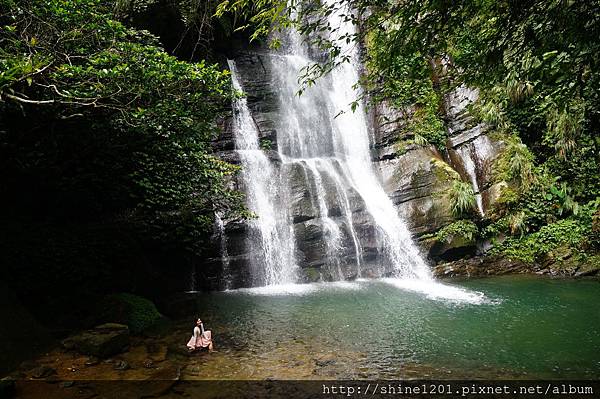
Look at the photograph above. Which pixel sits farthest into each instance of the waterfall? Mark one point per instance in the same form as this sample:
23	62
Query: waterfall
222	238
271	238
351	209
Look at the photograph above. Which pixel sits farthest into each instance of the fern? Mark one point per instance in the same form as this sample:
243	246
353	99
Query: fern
462	198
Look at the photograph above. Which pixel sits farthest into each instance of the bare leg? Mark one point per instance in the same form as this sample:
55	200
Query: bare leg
210	347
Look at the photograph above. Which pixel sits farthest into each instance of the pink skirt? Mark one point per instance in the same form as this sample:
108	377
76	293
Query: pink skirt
202	341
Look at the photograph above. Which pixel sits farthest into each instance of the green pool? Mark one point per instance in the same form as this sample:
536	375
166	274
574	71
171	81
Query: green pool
500	327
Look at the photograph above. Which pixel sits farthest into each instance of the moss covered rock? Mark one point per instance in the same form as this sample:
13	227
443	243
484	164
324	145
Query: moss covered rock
136	312
311	275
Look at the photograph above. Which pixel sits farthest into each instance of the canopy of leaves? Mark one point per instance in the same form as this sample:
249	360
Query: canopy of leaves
99	122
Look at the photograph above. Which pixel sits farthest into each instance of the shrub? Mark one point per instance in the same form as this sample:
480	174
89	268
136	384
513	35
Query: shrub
464	228
136	312
462	198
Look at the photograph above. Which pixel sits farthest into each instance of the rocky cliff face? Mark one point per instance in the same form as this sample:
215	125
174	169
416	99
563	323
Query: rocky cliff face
418	179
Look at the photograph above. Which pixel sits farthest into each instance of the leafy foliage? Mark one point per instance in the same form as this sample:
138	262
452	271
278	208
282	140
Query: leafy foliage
463	228
516	164
462	198
136	312
101	121
532	247
426	123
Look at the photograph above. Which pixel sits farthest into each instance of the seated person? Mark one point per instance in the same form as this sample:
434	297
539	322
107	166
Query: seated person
201	338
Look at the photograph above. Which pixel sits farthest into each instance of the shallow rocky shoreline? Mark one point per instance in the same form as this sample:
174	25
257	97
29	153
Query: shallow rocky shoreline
482	266
78	366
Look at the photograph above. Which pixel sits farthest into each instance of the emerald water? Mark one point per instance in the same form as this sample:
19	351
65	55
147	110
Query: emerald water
523	327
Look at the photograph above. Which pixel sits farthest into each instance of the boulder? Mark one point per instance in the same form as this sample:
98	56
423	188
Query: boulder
102	341
452	248
136	312
42	372
417	182
7	387
482	266
121	365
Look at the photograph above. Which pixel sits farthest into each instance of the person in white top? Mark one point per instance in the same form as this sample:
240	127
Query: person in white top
201	338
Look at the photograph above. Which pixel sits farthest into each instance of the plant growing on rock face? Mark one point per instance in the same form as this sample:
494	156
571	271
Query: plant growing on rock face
462	198
568	233
463	228
563	127
562	199
516	223
420	140
266	144
516	164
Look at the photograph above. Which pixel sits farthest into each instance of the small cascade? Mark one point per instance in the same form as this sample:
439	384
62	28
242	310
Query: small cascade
222	238
473	158
469	165
271	236
193	280
471	150
344	202
330	228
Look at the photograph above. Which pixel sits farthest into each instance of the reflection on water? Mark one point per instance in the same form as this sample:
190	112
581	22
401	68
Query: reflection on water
524	327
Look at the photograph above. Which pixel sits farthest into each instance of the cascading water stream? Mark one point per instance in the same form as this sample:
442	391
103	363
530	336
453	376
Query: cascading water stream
329	147
271	239
330	151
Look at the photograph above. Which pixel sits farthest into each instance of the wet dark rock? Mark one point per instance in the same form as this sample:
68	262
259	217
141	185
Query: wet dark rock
42	372
483	266
325	362
121	365
310	275
7	387
452	248
102	341
66	384
92	361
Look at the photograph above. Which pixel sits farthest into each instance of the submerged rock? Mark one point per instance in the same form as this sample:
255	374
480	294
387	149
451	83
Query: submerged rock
102	341
92	361
121	365
42	372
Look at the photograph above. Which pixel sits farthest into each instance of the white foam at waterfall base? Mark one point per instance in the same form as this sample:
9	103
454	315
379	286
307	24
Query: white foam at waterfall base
438	291
298	289
430	289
